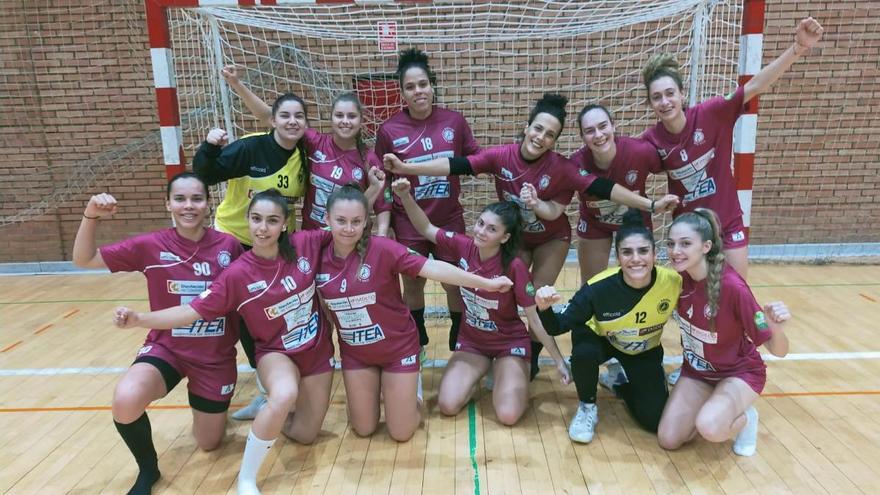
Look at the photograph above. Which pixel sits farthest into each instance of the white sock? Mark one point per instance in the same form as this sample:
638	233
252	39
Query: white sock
746	441
255	451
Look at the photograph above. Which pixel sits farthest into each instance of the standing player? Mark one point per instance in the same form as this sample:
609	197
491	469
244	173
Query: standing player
542	182
624	160
695	144
272	286
252	164
492	334
358	281
422	132
721	327
618	313
335	159
178	263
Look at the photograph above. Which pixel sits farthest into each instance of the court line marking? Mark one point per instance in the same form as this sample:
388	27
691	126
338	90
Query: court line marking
472	443
429	363
868	297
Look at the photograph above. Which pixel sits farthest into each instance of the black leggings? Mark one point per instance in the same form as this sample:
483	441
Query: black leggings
645	394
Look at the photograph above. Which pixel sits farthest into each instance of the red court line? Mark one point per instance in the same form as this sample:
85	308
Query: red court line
868	297
42	329
821	394
71	313
10	347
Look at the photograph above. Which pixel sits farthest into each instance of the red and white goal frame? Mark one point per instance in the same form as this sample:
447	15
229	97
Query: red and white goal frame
163	63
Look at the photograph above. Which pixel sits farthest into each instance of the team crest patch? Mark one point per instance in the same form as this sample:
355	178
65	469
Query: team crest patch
544	182
224	258
663	306
364	272
357	173
699	137
631	177
304	265
707	312
530	289
448	134
760	321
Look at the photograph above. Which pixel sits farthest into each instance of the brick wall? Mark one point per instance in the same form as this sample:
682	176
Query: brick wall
76	88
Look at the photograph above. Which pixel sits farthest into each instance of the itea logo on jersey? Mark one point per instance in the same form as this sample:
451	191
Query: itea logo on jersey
400	141
256	286
362	336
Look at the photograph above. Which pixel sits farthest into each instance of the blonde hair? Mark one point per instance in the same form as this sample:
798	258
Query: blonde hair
661	65
705	223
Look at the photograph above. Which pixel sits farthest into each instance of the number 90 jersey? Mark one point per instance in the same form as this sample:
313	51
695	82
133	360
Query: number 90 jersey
177	271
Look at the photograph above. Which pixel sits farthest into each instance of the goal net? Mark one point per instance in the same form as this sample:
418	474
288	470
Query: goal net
493	60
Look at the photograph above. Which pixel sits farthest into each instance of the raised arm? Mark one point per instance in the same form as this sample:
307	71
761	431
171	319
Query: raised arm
417	216
546	210
777	314
435	167
167	318
549	342
85	249
450	274
259	108
808	33
576	315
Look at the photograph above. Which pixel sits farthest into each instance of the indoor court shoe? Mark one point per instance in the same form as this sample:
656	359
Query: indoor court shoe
673	376
583	425
747	440
250	411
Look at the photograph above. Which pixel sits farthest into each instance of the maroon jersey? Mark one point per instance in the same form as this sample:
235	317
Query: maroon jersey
740	328
331	167
554	177
490	317
443	134
177	271
698	159
634	161
276	298
364	297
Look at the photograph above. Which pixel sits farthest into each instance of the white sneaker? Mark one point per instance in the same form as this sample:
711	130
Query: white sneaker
247	487
250	411
673	376
583	426
746	441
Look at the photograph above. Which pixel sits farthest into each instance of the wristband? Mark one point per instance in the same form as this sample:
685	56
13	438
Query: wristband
90	218
651	211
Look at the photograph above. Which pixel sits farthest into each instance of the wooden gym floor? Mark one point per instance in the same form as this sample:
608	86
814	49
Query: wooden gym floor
819	429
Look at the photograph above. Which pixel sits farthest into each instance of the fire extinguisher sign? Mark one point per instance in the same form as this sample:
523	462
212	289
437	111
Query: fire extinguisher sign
387	36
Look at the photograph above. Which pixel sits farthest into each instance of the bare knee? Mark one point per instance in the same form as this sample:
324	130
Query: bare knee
508	414
401	434
669	440
364	428
710	428
448	407
209	444
282	399
128	403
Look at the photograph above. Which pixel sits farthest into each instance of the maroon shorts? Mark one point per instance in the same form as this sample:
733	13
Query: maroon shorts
212	381
312	361
755	378
735	234
407	363
520	347
426	247
531	241
593	229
